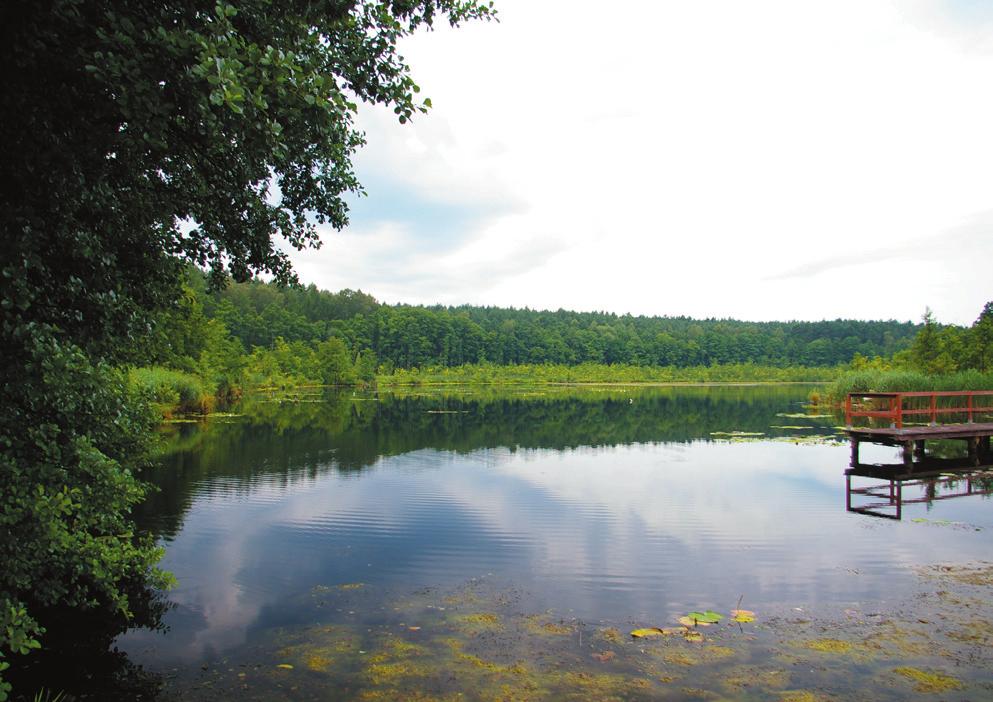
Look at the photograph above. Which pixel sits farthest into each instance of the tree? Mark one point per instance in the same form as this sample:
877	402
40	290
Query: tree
334	366
140	137
925	350
981	339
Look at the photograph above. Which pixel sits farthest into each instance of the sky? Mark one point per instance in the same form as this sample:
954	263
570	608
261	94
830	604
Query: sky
760	160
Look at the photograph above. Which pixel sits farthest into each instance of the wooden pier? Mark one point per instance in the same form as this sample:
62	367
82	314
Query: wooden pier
898	407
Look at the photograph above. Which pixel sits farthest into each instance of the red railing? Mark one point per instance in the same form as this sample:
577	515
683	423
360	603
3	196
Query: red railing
896	410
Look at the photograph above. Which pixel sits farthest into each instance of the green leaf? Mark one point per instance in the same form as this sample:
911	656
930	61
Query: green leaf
707	617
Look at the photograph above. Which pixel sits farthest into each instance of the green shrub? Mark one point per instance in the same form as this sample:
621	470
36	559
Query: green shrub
72	432
173	390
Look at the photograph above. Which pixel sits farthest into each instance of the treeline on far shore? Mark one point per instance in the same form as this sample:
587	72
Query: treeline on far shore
216	344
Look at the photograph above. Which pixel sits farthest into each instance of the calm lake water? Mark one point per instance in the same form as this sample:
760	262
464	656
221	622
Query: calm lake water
621	506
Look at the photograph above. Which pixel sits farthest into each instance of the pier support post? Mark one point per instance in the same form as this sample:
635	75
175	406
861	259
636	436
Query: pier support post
974	450
855	453
919	450
908	455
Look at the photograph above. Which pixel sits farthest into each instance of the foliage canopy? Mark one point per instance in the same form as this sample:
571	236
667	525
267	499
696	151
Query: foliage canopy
140	136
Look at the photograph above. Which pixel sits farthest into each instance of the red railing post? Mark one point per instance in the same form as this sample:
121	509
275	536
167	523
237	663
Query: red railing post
934	408
848	410
969	405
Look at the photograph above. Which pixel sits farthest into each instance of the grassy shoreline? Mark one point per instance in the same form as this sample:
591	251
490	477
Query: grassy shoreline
873	380
618	374
182	393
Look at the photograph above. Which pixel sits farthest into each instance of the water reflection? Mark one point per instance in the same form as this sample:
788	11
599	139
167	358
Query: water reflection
884	489
608	504
297	437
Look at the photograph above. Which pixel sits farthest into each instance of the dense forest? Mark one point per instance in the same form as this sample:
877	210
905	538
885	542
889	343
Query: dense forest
259	333
406	336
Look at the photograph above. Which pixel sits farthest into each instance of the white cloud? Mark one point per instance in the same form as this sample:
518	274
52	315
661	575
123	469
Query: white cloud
678	158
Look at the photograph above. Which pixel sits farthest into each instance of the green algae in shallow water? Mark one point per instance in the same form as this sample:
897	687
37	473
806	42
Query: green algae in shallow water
981	576
743	677
929	682
319	663
553	629
393	647
830	646
482	621
479	655
391	673
799	696
611	634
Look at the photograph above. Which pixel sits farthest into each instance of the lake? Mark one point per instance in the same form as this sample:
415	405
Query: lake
502	544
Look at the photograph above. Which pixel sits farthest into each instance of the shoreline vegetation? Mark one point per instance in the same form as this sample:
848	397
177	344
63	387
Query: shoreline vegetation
905	380
173	393
216	345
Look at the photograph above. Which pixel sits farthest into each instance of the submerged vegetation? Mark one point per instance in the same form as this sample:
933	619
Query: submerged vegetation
477	643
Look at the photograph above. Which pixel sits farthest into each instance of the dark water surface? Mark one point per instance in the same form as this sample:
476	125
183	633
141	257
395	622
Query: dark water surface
622	505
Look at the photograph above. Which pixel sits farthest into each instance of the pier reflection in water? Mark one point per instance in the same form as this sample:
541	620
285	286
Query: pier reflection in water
890	488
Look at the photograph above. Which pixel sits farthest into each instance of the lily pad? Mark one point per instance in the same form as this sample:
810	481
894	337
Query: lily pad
646	632
707	617
742	616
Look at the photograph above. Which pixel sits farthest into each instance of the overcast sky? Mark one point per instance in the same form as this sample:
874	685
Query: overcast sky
758	160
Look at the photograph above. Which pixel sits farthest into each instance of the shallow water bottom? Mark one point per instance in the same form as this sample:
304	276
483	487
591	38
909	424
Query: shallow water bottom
475	642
